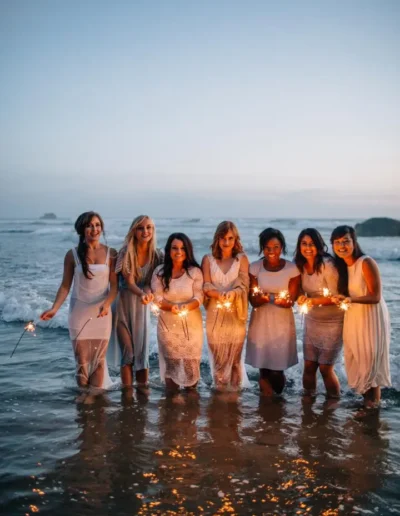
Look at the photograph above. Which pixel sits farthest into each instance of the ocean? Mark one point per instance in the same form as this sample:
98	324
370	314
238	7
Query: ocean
195	453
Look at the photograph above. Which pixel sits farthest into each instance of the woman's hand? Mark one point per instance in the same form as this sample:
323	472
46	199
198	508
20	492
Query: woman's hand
283	302
147	298
301	300
175	309
338	298
229	296
48	314
265	298
103	311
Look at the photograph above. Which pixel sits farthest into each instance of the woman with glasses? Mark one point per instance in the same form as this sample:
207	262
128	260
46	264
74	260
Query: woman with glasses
323	321
136	262
274	287
366	331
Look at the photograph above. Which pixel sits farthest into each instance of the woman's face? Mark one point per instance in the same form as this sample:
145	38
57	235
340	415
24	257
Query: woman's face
93	230
227	242
307	248
272	250
178	251
344	246
144	231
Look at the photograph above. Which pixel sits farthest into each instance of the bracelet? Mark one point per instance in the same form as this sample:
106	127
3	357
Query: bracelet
272	298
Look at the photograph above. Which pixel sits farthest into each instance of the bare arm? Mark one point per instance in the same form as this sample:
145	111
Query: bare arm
258	299
209	292
64	288
113	285
373	281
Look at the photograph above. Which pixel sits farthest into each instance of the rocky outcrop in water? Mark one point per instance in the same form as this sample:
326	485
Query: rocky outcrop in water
48	216
378	226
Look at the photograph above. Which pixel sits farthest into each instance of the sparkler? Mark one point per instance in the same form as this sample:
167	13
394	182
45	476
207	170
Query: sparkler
83	327
326	292
226	307
257	291
344	305
183	315
156	311
31	327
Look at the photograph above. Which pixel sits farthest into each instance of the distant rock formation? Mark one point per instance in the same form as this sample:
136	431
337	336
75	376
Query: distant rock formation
378	226
48	216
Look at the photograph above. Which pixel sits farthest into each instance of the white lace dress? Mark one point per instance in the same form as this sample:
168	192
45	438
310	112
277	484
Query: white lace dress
90	334
180	340
366	337
225	330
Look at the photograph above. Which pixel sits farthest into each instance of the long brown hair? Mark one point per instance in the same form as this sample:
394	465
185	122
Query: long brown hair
340	232
82	222
220	232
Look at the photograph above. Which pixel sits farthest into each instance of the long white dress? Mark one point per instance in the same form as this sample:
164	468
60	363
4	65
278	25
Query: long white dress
366	336
271	340
90	334
180	339
226	331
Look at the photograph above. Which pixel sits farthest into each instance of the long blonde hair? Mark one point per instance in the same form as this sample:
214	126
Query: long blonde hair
220	232
130	264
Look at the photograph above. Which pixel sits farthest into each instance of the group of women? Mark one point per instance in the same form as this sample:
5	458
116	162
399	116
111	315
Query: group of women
340	297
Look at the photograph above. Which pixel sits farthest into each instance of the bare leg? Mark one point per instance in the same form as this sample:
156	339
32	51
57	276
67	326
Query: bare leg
126	370
372	397
171	386
310	376
142	376
265	386
236	374
96	379
330	380
277	380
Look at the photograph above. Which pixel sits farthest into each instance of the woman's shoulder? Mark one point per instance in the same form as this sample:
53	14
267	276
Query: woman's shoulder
291	268
195	271
255	267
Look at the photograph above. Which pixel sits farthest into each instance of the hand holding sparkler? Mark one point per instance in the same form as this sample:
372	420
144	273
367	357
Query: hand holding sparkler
342	302
156	311
147	298
48	314
183	313
103	311
283	299
258	293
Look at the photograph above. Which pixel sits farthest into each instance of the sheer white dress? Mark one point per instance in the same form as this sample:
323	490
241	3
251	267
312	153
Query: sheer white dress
90	334
180	340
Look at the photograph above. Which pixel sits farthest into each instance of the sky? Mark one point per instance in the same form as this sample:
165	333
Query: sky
212	108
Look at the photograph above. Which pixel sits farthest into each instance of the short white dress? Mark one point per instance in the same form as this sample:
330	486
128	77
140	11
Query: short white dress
90	334
366	336
225	330
271	339
180	340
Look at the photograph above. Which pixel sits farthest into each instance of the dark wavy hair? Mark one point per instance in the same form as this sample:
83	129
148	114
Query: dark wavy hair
269	233
82	222
190	261
322	250
340	232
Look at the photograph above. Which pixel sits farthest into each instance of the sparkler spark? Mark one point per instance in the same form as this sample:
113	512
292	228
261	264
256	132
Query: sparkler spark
304	309
183	315
344	305
256	291
284	294
326	292
31	327
156	311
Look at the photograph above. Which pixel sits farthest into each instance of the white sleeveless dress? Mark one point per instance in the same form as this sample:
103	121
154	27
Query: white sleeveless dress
90	334
225	331
366	337
180	341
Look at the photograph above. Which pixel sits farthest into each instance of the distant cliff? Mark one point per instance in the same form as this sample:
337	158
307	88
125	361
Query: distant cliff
379	226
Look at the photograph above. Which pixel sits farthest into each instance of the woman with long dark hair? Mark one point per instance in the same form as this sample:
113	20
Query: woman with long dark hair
177	285
226	286
274	287
366	332
323	320
90	267
136	262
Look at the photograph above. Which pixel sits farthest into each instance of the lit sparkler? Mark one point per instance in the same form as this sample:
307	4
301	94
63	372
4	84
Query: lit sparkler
257	291
156	311
83	327
225	306
183	315
284	295
344	305
31	327
326	292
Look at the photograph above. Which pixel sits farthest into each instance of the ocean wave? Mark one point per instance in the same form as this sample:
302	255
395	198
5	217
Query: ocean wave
11	231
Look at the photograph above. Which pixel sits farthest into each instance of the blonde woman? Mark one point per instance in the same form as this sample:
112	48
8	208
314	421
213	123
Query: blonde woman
135	264
226	285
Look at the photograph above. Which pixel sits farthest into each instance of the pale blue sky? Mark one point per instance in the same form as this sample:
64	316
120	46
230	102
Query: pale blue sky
200	108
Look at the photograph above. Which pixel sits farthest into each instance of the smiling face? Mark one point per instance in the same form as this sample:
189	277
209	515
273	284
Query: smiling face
307	248
272	250
344	246
93	230
178	251
144	231
227	242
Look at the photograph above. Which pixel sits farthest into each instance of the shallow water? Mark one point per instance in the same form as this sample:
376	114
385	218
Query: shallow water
194	453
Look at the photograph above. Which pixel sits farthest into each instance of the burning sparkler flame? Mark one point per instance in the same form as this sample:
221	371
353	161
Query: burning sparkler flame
326	292
304	309
344	305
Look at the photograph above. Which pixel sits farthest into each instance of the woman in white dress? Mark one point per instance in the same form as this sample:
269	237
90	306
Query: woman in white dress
178	289
323	322
135	264
366	332
90	267
226	285
274	287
